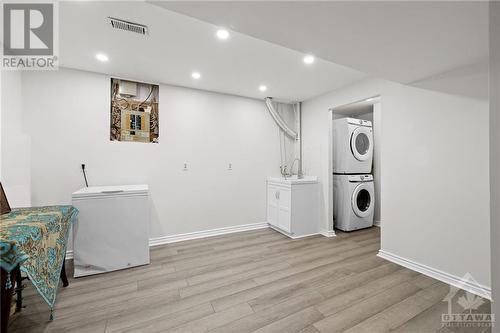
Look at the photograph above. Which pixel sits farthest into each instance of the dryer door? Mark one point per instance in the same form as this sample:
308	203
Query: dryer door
362	199
362	143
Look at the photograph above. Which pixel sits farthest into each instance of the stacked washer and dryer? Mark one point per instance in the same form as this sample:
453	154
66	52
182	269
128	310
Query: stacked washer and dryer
353	190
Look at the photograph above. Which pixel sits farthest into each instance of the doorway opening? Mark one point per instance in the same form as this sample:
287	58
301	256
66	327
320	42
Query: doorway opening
368	109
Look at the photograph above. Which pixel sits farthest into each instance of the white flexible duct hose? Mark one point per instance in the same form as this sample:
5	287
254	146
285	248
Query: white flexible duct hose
279	121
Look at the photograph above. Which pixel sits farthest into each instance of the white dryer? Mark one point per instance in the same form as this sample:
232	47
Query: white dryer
353	201
352	146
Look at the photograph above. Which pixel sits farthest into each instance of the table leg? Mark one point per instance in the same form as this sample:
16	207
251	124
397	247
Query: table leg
19	289
6	296
64	278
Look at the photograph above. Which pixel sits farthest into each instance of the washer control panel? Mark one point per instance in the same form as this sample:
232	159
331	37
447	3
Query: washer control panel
360	178
359	122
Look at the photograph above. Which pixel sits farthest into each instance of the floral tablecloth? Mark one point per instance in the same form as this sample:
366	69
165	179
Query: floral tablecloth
36	239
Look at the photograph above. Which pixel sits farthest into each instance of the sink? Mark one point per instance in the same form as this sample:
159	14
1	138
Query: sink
294	180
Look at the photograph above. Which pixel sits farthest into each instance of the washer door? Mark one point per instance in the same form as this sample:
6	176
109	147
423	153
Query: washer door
362	143
362	199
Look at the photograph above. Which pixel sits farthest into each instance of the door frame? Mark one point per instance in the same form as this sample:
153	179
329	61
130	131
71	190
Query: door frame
331	112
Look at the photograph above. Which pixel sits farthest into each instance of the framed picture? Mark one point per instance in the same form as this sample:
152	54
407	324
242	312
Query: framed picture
4	204
134	111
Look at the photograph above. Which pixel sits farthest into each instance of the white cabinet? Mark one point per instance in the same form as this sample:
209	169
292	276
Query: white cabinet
272	205
112	231
293	205
278	207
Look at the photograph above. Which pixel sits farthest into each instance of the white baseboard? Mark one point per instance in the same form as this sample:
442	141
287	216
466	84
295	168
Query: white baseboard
328	233
304	236
155	241
292	236
453	280
205	233
376	223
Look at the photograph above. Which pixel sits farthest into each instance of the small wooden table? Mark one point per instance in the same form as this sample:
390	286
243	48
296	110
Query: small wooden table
33	240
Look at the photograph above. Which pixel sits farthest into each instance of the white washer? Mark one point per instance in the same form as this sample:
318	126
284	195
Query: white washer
353	201
352	146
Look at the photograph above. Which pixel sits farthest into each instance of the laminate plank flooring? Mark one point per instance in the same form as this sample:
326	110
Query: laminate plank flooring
254	281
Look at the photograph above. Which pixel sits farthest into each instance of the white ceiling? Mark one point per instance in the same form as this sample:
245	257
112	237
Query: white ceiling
403	41
178	45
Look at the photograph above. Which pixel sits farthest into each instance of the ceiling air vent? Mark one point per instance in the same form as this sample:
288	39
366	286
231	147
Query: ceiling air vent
128	26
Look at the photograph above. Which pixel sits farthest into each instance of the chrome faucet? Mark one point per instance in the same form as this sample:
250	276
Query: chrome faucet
283	171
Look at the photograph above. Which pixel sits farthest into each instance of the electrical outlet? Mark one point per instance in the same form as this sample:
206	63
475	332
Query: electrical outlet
230	166
185	168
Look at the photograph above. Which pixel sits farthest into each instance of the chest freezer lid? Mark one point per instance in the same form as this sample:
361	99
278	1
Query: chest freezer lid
115	190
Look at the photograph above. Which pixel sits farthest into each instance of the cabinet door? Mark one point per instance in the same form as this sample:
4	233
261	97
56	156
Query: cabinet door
272	205
284	217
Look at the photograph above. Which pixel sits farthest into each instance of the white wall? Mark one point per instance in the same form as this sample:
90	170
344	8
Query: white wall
495	154
15	144
434	184
366	116
68	113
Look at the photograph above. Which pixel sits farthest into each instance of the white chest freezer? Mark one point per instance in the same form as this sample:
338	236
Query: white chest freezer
112	231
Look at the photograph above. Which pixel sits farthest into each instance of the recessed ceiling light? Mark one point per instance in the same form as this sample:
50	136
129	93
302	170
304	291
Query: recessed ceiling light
262	88
222	34
101	57
196	75
308	59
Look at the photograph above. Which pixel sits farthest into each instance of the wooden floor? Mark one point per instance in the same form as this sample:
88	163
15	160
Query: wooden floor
255	281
